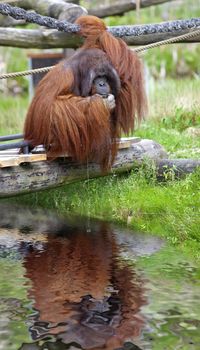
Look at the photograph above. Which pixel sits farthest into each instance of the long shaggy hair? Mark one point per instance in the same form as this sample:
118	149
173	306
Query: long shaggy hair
66	118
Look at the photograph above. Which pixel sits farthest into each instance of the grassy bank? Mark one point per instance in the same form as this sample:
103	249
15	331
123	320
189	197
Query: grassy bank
170	209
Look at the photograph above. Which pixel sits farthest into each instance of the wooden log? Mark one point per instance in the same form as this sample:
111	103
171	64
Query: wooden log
10	22
53	8
40	39
100	11
21	2
44	175
176	168
121	7
48	39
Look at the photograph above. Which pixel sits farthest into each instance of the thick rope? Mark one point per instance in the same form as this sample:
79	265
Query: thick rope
118	31
138	49
168	41
32	17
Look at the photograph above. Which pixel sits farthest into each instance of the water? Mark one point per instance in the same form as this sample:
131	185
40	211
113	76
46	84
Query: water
69	284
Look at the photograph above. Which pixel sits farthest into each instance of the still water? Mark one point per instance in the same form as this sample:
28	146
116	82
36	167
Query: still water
71	283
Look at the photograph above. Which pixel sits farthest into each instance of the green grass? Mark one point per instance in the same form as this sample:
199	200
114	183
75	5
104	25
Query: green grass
169	97
174	106
12	114
15	60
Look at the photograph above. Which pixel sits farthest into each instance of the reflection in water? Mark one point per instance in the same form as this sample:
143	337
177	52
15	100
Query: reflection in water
63	286
84	293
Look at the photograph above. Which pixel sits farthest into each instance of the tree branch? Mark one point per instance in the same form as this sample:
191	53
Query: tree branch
121	8
101	11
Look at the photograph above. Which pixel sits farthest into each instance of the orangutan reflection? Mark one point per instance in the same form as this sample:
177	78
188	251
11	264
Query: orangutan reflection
83	292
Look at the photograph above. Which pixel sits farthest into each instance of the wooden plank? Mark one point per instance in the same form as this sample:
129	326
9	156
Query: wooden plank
10	158
126	142
16	160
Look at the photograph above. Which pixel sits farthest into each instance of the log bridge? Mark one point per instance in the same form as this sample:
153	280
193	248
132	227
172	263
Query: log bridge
26	173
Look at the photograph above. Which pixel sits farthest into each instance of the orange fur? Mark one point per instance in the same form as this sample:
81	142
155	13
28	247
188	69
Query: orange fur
131	103
67	121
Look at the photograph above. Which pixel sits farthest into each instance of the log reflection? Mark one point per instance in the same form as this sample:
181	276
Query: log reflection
83	291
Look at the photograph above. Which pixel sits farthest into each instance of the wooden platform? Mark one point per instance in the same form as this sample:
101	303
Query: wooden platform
11	158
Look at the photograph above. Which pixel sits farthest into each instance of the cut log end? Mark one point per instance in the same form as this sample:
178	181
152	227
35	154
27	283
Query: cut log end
72	13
